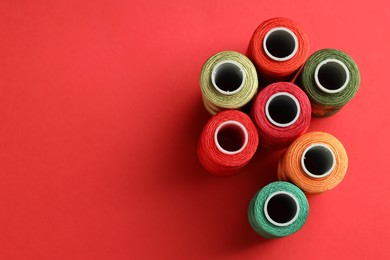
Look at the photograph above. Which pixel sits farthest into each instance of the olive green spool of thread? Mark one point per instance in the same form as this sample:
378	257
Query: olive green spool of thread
228	80
331	79
278	210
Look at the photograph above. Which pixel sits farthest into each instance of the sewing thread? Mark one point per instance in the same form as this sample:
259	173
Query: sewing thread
282	113
227	143
316	162
278	210
331	79
228	80
278	48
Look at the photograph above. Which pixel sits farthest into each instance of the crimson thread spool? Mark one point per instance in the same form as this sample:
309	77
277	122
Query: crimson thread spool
282	113
278	48
227	143
316	162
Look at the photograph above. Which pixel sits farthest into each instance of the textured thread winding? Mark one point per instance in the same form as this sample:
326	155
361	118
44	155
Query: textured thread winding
215	101
262	225
270	70
290	167
272	136
326	104
213	159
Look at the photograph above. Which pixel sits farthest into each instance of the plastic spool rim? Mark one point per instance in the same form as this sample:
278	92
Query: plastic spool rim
279	29
316	175
317	80
269	217
216	70
287	96
236	124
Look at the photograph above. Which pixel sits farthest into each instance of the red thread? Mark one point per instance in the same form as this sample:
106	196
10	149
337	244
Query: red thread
289	114
227	143
281	45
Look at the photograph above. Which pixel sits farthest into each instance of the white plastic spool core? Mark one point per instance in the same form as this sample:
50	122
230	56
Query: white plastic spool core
318	160
281	208
280	44
331	76
228	77
231	137
282	109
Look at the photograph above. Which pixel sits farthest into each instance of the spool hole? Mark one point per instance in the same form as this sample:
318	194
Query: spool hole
231	137
318	161
281	208
332	76
280	44
228	77
282	109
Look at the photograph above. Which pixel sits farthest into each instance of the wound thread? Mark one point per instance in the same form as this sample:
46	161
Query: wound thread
278	48
331	79
278	210
316	162
228	80
227	143
282	113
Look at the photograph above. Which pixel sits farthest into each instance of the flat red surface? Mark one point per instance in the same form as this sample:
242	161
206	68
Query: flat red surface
100	112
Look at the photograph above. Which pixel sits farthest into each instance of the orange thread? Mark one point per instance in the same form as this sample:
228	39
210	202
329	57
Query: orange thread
309	163
287	50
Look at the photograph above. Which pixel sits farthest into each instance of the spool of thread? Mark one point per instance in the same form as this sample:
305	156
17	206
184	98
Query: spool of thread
278	210
282	113
228	80
316	162
227	143
278	48
331	79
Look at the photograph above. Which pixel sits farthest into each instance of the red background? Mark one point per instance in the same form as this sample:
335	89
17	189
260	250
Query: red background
100	112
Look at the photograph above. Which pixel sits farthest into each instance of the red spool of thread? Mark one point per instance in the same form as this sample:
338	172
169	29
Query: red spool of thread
227	143
282	113
278	48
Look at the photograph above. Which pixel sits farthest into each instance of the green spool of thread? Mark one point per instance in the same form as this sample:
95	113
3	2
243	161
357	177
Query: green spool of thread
228	80
278	210
331	79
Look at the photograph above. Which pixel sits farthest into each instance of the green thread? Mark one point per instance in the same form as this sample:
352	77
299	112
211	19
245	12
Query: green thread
233	97
323	103
258	219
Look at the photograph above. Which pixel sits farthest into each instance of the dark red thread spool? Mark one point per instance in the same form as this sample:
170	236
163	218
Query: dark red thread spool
282	113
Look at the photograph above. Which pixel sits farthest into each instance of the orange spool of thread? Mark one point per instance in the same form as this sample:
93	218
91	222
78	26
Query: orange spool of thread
316	162
278	48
